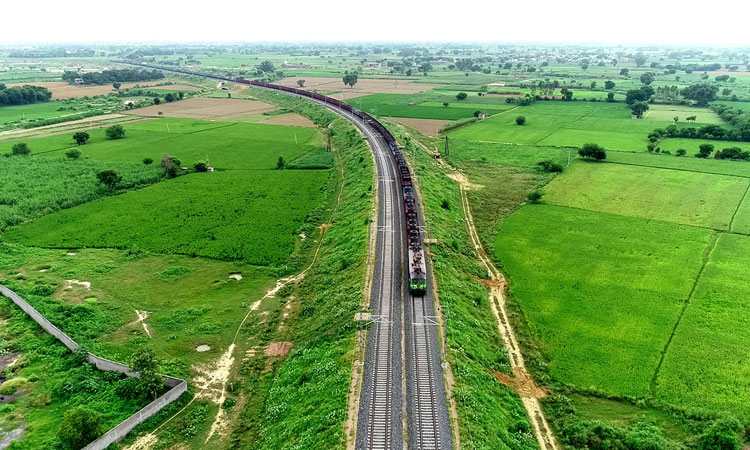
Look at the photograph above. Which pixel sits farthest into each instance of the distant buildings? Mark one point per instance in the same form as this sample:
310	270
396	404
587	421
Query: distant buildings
288	65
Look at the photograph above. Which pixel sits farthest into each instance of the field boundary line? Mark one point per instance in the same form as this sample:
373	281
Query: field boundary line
739	205
564	127
710	245
677	169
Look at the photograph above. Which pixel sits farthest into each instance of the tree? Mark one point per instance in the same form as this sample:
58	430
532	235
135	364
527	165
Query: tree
79	427
109	178
726	92
169	98
280	163
593	151
638	108
157	101
624	72
148	161
640	60
301	83
21	149
520	120
639	95
81	137
610	97
702	93
146	364
681	152
446	104
116	85
550	167
461	96
200	166
647	78
115	132
170	165
267	66
73	154
350	79
566	93
704	150
609	85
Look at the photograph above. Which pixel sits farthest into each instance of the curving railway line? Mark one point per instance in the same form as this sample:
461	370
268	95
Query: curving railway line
402	345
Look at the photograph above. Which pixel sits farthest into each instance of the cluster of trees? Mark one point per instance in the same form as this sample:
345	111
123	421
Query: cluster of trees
734	116
638	99
702	93
593	151
23	95
112	76
711	132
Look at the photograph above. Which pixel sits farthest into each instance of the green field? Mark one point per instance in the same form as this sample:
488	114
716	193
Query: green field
741	220
677	196
707	365
428	105
669	112
527	156
249	215
593	290
35	114
557	123
692	145
689	163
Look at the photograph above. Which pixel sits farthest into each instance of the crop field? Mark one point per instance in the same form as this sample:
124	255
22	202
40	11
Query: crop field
28	115
488	153
741	220
592	289
566	124
692	145
687	198
689	163
30	187
669	112
428	105
256	218
706	365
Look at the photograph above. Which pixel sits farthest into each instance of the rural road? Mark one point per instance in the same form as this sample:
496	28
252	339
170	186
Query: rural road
388	372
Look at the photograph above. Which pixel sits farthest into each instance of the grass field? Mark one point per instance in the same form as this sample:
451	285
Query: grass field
463	152
692	145
428	105
689	163
11	116
741	220
707	364
669	112
255	218
687	198
593	290
557	123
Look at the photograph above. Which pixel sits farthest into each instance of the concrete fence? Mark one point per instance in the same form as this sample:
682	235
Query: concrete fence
176	386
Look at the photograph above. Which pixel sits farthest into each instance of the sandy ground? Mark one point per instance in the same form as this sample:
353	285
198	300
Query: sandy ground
278	348
291	119
89	122
205	108
363	86
428	127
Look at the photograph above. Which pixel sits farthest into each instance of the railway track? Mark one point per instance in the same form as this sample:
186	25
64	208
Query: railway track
380	424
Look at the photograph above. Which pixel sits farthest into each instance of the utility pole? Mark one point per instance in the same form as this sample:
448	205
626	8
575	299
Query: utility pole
328	147
446	145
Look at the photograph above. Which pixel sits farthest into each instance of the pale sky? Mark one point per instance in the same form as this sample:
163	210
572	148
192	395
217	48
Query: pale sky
659	22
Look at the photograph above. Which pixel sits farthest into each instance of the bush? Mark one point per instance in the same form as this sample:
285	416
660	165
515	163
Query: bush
79	427
200	166
520	120
722	435
550	167
21	149
115	132
733	153
445	205
148	161
461	96
109	178
704	150
81	137
593	151
534	196
73	154
681	152
228	403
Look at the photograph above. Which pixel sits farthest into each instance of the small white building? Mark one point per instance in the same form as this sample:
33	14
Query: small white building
78	81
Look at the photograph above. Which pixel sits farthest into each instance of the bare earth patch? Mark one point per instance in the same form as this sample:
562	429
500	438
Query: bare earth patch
278	348
292	119
429	127
362	88
205	108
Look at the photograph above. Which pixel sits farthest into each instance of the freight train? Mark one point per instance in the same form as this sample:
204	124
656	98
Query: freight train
415	245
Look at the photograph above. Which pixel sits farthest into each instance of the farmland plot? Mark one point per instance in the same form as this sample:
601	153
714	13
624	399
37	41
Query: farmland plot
593	290
688	198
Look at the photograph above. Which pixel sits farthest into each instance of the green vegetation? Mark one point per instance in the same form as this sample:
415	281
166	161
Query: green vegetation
256	218
427	105
677	196
603	289
23	95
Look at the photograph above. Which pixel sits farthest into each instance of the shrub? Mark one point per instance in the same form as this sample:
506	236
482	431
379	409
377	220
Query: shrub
81	137
21	149
109	178
550	167
115	132
722	435
228	403
704	150
593	151
520	120
445	205
733	153
534	196
73	154
148	161
681	152
43	290
79	427
200	166
461	96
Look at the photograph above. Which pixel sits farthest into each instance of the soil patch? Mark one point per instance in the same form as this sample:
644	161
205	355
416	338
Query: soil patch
14	435
278	348
8	360
205	108
235	276
429	127
203	348
292	119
